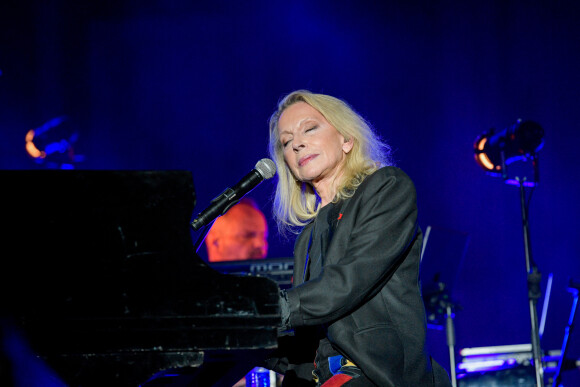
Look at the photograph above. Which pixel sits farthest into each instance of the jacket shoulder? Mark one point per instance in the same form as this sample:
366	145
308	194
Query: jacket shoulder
385	174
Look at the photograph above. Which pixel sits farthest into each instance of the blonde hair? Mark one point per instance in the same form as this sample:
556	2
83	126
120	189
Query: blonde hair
295	202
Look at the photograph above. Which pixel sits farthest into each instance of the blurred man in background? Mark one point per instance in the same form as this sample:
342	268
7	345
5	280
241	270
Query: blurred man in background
241	233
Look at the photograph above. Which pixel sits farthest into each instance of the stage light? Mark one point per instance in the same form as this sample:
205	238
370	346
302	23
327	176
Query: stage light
495	150
52	144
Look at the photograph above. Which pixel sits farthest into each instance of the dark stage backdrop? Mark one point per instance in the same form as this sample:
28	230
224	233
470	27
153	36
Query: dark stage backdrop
189	85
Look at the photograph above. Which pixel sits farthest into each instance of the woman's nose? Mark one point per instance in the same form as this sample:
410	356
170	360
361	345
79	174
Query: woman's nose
298	143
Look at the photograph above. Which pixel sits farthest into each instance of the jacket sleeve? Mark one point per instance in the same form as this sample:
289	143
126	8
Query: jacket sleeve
382	218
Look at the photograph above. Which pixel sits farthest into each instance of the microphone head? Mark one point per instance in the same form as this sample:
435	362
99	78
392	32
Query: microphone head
266	168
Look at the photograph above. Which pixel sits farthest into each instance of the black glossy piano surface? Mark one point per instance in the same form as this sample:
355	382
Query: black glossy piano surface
100	278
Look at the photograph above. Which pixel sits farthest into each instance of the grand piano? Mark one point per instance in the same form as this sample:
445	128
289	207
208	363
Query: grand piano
100	280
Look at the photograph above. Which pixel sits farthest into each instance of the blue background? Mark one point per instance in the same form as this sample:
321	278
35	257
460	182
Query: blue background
190	85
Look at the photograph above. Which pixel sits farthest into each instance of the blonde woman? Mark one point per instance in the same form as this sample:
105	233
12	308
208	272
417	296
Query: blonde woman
354	315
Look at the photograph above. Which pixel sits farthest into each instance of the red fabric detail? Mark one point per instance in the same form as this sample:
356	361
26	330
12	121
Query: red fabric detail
339	216
337	380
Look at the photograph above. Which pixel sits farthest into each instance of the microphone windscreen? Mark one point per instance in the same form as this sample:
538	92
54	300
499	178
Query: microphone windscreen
266	168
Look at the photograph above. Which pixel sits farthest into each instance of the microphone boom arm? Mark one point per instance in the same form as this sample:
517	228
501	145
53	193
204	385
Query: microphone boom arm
264	169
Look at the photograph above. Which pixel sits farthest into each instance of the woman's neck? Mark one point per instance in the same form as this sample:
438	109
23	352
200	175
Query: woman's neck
325	192
326	188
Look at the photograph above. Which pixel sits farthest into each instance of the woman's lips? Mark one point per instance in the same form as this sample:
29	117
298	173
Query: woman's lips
304	160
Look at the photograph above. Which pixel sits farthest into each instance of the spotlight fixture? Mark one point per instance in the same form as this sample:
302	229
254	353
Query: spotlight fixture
495	150
52	143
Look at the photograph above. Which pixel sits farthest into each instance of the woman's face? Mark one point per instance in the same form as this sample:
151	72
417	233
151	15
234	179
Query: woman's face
313	149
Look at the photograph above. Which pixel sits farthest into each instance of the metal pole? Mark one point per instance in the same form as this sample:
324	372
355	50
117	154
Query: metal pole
533	291
568	330
450	330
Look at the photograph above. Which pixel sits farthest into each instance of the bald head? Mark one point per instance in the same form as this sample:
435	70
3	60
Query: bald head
241	233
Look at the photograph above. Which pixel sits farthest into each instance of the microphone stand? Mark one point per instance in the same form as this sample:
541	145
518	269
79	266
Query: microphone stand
572	288
534	292
202	234
441	305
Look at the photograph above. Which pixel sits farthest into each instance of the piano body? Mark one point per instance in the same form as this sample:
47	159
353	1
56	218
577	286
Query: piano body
100	277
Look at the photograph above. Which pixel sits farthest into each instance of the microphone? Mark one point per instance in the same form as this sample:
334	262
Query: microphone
264	169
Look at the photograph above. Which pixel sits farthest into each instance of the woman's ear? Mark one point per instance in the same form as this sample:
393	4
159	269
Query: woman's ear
347	145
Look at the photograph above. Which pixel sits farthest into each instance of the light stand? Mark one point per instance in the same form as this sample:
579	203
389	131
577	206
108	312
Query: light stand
494	151
534	292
